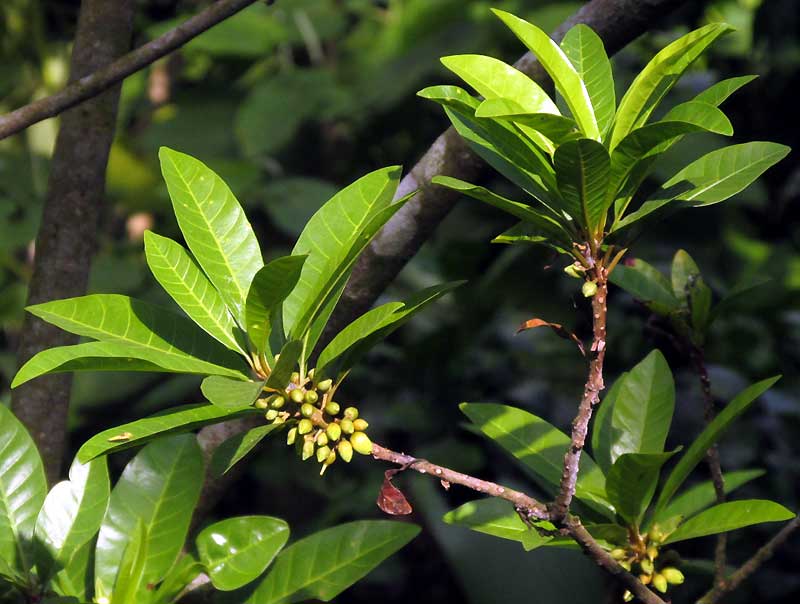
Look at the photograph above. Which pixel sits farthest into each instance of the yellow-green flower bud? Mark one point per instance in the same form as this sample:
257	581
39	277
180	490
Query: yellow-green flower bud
652	552
351	413
328	461
647	566
360	424
619	553
310	374
672	575
295	377
271	414
646	579
304	426
627	596
322	439
277	402
308	449
332	408
589	289
347	426
306	410
291	435
361	443
626	565
311	396
575	270
334	431
345	450
261	403
322	453
297	395
660	582
324	385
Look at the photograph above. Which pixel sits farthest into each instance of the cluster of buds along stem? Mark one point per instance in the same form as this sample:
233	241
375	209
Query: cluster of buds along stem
578	271
318	426
642	559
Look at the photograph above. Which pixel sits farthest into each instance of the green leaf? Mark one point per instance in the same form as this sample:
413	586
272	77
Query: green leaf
22	492
702	495
183	572
551	227
730	516
150	333
711	434
684	273
326	563
141	431
636	413
449	96
647	285
281	373
159	488
333	238
556	128
230	394
538	445
271	285
716	94
130	573
567	80
183	280
234	449
76	579
659	76
582	171
214	226
661	199
71	516
235	551
360	336
527	233
631	483
496	517
586	52
725	172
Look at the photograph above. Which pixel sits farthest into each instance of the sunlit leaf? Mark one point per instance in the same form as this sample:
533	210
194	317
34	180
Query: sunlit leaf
730	516
582	171
496	517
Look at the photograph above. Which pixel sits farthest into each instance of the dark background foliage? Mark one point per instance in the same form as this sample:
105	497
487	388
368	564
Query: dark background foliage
291	102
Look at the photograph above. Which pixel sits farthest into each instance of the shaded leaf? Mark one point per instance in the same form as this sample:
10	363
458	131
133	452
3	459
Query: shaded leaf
583	168
647	285
631	483
234	449
230	394
235	551
282	371
730	516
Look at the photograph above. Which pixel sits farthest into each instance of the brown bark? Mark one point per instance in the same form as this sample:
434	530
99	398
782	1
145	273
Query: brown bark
67	235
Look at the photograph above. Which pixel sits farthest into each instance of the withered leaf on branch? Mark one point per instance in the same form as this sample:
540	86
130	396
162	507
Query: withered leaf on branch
391	499
556	327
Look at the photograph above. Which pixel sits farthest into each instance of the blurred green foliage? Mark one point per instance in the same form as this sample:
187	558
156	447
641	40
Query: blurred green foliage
291	102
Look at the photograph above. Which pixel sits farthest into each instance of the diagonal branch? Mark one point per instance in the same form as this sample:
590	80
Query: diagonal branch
95	82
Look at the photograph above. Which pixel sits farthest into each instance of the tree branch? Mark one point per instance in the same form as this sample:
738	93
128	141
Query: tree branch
591	395
617	22
93	82
712	458
67	235
766	552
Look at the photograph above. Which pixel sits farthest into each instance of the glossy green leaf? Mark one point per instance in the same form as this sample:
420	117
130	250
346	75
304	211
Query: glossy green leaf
730	516
333	238
360	336
214	226
702	495
183	572
234	449
448	95
326	563
567	80
159	488
711	434
286	364
583	168
543	222
151	333
182	279
659	76
637	412
631	483
22	492
130	573
586	52
647	285
141	431
496	517
230	394
538	445
725	172
77	578
235	551
71	516
716	94
271	285
556	128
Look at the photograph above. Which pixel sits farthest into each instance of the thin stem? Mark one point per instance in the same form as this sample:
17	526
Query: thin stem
591	396
766	552
712	458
